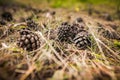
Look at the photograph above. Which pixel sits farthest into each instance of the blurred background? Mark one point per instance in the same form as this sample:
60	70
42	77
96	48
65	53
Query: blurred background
92	6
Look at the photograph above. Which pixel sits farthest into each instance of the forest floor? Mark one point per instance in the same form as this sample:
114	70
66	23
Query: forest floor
55	60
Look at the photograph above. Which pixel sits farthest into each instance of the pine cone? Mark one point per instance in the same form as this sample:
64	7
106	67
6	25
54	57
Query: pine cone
28	40
7	16
79	20
2	22
64	33
36	11
107	17
1	32
107	32
110	34
52	12
76	28
32	25
82	40
79	23
24	31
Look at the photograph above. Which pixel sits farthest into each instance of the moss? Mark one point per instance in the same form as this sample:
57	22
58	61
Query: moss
117	43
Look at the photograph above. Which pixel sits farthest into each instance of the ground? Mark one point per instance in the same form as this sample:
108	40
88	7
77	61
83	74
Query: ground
55	60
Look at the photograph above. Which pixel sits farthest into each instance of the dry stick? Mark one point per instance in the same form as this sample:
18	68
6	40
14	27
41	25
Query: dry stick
52	48
28	72
37	49
102	68
115	54
52	57
37	55
10	27
100	50
83	58
91	31
31	68
69	56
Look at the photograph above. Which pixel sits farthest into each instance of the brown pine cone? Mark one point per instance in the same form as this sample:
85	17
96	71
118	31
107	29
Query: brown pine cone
110	34
79	23
64	33
79	19
32	24
76	28
28	40
82	40
2	22
107	32
7	16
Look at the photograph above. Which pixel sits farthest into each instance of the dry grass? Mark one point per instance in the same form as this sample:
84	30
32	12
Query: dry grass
59	61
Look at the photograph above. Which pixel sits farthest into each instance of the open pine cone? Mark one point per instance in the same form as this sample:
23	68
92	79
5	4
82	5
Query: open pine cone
32	24
79	23
82	40
28	40
79	19
7	16
2	22
107	32
110	34
76	28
